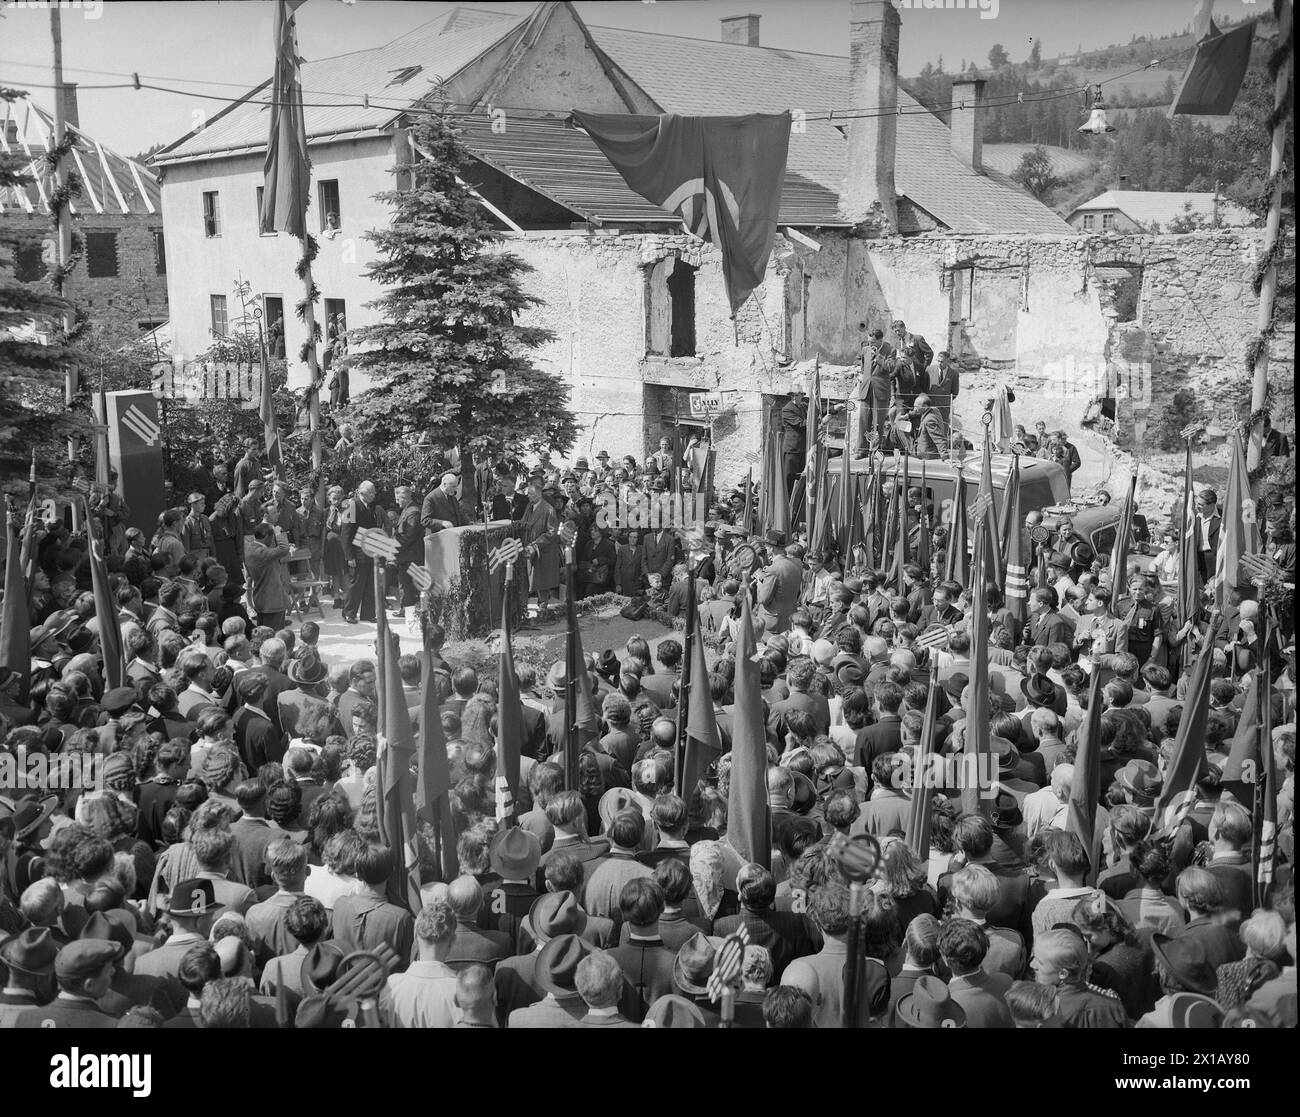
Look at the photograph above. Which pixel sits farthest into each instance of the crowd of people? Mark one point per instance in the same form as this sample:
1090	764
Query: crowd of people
231	856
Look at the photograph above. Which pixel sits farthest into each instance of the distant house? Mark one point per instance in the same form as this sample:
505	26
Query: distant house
1153	211
121	278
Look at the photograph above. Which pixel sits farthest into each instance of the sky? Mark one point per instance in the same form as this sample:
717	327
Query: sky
223	47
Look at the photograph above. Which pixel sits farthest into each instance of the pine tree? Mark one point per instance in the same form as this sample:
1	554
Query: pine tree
1036	55
33	351
449	359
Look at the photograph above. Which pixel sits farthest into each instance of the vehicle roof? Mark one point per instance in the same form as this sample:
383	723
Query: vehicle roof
1000	467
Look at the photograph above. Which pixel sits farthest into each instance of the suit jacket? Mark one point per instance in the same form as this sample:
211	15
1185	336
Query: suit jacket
357	515
439	506
784	933
1238	887
363	921
981	996
64	1012
876	740
473	944
1050	628
627	570
648	966
1014	904
813	704
658	553
778	593
550	1013
248	854
1221	945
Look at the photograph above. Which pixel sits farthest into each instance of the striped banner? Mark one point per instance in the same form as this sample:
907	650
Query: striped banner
727	963
139	424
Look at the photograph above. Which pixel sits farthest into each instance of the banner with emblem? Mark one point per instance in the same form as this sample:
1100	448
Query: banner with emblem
135	441
722	174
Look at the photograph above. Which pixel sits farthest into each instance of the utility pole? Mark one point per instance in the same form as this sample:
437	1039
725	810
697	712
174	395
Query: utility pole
63	219
1268	288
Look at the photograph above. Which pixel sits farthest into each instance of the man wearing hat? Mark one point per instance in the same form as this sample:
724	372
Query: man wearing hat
28	959
191	906
129	989
1207	532
555	975
196	528
691	970
84	971
929	1005
513	855
551	915
602	473
309	677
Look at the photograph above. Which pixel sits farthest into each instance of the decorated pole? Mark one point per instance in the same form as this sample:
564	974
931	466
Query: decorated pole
684	697
857	859
572	733
1266	281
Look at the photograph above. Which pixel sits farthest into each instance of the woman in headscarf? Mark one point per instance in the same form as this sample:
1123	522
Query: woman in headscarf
109	816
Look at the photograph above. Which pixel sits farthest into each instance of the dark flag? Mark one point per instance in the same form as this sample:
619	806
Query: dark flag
1215	73
15	620
977	744
1178	795
401	834
703	744
266	412
1085	789
922	790
580	723
748	522
1010	515
1123	537
433	776
958	549
1239	528
287	170
510	722
722	174
1189	572
1016	588
748	829
110	632
993	552
923	531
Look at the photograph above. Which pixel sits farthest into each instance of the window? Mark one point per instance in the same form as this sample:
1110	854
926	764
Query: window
147	325
29	264
1119	286
159	252
328	194
336	318
1089	220
273	311
220	323
670	326
211	213
101	254
1107	221
405	74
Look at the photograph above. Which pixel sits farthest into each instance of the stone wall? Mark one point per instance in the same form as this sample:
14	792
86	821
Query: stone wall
121	303
1056	318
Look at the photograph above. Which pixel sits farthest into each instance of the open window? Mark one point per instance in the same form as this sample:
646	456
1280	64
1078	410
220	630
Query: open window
1119	286
671	309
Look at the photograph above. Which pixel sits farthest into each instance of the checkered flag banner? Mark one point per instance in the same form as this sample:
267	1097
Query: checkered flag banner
728	962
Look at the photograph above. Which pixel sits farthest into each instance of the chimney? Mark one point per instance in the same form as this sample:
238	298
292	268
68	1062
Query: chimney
873	140
741	29
67	95
968	121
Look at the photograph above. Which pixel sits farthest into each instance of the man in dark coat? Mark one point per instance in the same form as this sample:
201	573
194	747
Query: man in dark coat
794	435
441	508
361	512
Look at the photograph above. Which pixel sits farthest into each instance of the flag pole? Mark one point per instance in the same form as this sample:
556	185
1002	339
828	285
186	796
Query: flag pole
571	669
1268	282
684	692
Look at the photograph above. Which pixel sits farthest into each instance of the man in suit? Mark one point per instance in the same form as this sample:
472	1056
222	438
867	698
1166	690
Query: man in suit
365	920
361	512
945	384
1208	521
555	976
410	537
658	554
191	906
643	959
973	836
441	508
794	435
929	430
778	590
873	388
471	943
783	933
1047	626
424	996
799	676
974	892
599	982
963	946
84	970
886	735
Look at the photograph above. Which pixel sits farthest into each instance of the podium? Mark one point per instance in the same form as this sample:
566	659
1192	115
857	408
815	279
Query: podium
463	597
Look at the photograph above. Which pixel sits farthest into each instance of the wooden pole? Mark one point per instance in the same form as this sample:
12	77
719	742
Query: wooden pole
1268	288
313	369
63	219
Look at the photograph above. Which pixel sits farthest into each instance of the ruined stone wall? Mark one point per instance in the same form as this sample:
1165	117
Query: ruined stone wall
1056	318
121	303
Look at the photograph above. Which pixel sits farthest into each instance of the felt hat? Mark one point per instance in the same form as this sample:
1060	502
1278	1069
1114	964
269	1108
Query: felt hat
31	951
672	1011
553	915
929	1005
1187	962
694	964
556	969
514	853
